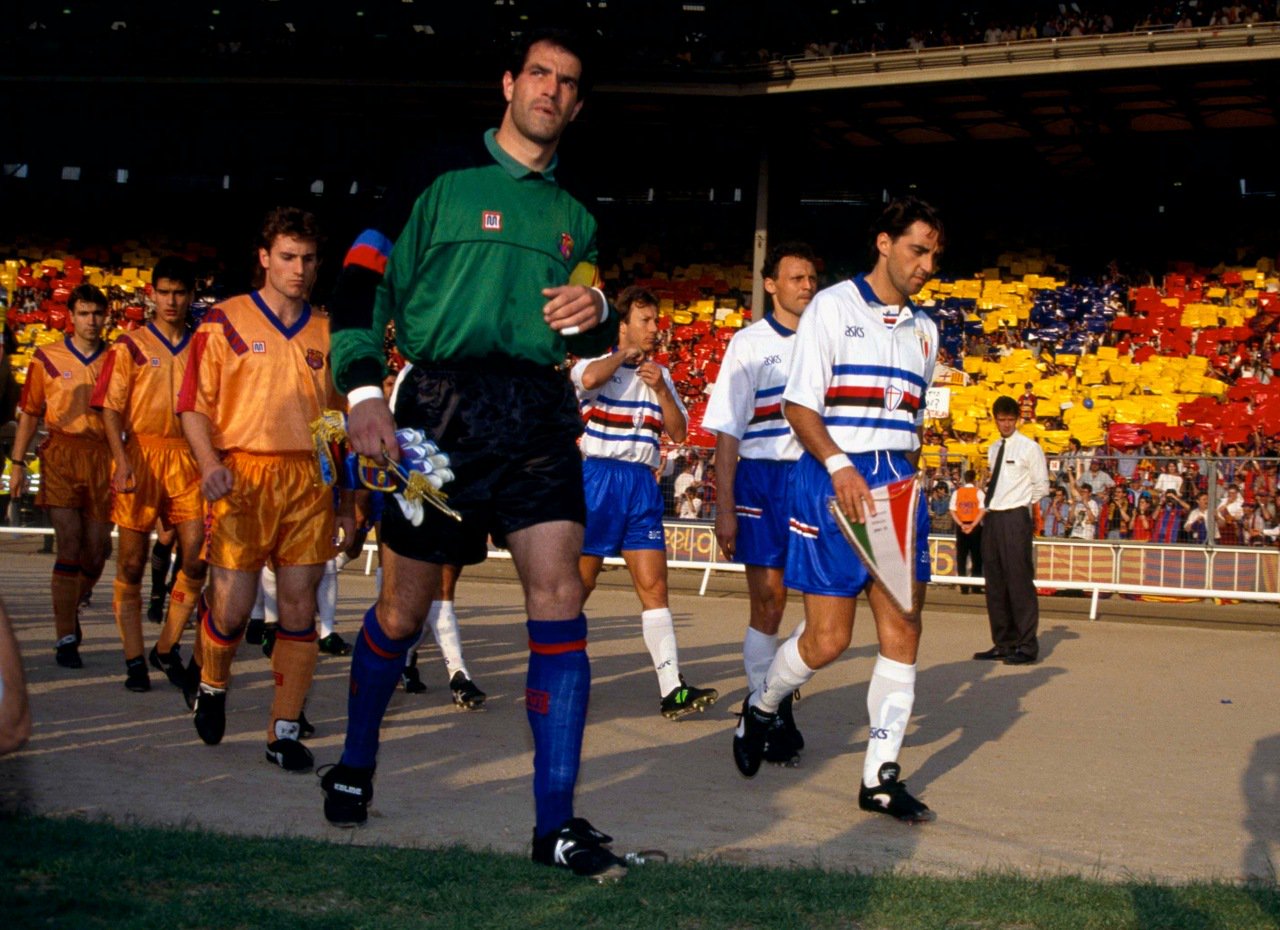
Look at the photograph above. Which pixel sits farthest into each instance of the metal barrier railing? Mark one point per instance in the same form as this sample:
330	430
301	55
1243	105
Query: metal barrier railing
1092	567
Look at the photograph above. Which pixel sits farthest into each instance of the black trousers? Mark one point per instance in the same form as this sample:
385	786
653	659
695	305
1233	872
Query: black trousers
1013	608
969	553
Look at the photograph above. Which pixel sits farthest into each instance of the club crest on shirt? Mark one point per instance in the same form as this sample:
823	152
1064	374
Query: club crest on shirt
923	338
315	358
259	347
892	397
491	221
566	245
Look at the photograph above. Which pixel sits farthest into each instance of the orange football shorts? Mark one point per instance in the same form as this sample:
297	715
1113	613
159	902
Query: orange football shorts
76	473
166	485
278	509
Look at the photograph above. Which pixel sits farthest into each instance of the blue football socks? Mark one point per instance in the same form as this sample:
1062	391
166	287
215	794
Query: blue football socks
556	693
376	662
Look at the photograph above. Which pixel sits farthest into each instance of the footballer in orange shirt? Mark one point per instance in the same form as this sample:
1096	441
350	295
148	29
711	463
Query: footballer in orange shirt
74	461
257	378
155	475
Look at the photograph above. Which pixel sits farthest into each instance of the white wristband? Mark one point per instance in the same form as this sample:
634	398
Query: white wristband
368	392
604	303
836	462
604	315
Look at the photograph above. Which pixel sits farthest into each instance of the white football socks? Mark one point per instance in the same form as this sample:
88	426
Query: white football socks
444	627
327	598
267	586
890	697
660	638
758	650
786	673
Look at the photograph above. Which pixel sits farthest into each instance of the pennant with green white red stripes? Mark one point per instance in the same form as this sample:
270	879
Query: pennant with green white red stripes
886	541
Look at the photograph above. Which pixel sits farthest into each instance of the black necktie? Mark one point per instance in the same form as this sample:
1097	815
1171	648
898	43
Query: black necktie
995	475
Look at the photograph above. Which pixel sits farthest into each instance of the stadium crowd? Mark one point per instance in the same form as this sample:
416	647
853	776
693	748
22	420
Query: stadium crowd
1127	385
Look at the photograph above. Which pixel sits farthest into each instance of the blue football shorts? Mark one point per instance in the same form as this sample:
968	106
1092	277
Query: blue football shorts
819	558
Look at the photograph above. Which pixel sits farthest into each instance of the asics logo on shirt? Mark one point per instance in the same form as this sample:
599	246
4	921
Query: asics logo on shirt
773	359
879	733
854	332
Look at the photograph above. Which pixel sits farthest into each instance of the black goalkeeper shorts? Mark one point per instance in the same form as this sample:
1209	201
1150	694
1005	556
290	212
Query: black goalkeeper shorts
510	430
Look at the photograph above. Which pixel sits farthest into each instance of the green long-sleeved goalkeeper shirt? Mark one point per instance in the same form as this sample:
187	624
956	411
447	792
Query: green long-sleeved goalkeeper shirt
465	278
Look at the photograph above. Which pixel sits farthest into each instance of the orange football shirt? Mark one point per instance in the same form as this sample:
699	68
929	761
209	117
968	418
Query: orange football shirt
59	386
140	381
261	384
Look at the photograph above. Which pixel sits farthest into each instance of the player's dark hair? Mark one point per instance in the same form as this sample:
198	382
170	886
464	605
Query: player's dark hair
632	296
293	222
87	294
777	253
898	217
573	43
970	476
175	268
1004	406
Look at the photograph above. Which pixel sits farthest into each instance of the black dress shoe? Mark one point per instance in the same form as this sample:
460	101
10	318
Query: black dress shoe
991	655
1018	658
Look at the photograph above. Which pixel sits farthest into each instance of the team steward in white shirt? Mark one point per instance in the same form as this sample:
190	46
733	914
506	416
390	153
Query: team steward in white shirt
627	401
864	356
755	453
1019	478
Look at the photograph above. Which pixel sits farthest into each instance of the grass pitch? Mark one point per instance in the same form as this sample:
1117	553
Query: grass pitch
74	873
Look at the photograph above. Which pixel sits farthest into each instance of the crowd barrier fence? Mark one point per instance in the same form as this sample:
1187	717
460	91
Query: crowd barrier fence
1093	567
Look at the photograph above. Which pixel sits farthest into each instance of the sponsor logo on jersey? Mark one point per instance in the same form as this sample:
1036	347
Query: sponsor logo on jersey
854	332
155	362
491	221
879	733
773	359
566	245
259	347
315	358
67	375
892	397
